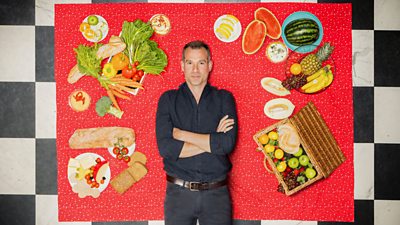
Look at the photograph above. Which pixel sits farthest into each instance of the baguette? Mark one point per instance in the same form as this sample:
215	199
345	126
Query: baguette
102	137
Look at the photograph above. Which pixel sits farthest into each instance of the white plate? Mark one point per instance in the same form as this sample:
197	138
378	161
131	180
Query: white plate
131	149
100	29
102	187
230	26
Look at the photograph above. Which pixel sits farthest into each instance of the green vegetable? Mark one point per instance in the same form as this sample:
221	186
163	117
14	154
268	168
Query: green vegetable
88	63
104	106
301	179
139	48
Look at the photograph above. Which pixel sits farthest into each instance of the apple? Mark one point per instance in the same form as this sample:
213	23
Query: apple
299	152
304	160
293	163
310	173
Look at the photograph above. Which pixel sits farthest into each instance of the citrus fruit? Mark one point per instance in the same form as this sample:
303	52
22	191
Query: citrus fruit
263	139
281	166
279	154
269	148
226	27
273	135
89	33
223	32
295	69
83	27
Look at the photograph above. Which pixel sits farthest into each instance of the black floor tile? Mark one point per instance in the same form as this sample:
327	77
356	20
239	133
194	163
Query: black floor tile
387	183
44	46
17	209
46	167
363	100
386	58
363	214
362	11
246	222
17	111
17	12
121	223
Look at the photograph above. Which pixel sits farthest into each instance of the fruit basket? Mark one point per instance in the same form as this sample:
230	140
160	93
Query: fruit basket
315	157
310	73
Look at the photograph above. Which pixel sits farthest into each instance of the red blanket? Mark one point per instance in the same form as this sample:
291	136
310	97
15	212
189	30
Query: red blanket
254	191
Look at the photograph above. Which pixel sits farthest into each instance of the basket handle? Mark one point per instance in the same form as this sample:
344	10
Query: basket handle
266	166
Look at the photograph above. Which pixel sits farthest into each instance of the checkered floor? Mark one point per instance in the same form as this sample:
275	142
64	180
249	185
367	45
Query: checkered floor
28	166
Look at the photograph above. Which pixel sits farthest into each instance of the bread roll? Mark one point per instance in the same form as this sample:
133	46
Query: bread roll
102	137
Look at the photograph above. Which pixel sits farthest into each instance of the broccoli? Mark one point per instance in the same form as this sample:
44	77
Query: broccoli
104	106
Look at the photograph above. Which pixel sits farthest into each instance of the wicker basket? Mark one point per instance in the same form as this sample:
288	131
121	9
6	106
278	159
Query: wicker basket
317	141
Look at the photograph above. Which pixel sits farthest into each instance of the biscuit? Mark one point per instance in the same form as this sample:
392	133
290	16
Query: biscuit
137	157
137	171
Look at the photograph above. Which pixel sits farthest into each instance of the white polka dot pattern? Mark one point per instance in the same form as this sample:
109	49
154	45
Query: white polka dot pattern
254	191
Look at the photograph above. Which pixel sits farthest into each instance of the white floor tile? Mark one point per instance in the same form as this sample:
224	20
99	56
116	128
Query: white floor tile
45	110
363	171
288	222
363	58
47	211
386	110
386	16
17	166
17	44
386	212
44	12
156	222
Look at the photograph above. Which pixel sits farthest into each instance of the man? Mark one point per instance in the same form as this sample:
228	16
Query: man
196	131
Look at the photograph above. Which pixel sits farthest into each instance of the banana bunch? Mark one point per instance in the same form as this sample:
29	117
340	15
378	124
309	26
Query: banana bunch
319	80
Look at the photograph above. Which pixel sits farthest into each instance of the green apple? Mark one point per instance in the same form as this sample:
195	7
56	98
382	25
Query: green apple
304	160
299	152
310	173
93	20
293	163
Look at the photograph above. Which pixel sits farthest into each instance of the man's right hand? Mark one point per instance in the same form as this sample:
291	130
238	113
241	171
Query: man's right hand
225	124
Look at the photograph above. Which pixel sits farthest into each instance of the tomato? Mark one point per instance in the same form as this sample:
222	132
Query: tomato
119	156
87	177
120	61
98	160
116	150
136	63
128	72
124	151
127	158
136	78
97	185
140	73
89	181
102	182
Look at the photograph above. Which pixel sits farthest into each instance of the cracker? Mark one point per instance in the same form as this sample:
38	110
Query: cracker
138	157
122	182
137	171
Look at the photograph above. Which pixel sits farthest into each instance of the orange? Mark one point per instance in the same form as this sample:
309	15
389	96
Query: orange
269	148
295	69
84	26
263	139
279	154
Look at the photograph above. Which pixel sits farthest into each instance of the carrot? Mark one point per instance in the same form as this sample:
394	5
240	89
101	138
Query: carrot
124	88
115	88
113	100
120	95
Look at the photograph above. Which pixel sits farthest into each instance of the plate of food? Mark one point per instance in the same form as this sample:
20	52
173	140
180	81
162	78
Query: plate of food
122	152
88	174
227	28
94	28
302	29
310	73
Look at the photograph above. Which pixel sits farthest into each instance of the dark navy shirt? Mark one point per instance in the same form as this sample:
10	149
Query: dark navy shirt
178	108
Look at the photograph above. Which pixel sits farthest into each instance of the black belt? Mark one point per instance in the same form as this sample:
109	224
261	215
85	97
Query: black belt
196	186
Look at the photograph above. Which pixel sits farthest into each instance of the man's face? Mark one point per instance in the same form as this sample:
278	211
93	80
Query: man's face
196	67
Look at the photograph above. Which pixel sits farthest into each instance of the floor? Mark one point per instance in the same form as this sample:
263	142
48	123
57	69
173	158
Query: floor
28	166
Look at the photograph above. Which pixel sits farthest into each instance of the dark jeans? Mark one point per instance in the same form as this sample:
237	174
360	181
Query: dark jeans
184	207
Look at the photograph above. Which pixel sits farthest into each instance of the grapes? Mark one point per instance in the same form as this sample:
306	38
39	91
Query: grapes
294	82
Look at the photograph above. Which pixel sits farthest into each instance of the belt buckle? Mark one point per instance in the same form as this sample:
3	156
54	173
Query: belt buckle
192	186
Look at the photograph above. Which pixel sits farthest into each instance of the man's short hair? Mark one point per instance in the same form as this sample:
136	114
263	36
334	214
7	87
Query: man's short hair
196	45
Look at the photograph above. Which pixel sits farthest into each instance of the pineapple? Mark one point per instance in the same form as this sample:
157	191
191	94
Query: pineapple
312	62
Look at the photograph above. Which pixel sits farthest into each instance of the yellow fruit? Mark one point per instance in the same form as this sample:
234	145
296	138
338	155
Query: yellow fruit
223	33
229	21
263	139
226	27
273	135
84	26
295	69
281	166
89	33
279	153
232	17
269	148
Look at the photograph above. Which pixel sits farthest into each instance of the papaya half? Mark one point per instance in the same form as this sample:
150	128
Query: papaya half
253	37
274	29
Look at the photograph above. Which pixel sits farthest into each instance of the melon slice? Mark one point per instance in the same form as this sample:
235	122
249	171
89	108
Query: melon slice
273	27
253	37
